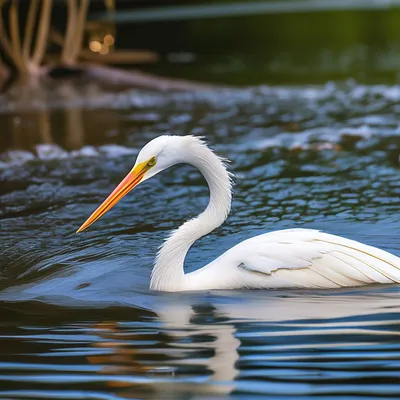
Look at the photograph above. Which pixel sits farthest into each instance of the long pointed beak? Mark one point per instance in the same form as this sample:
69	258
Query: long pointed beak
127	184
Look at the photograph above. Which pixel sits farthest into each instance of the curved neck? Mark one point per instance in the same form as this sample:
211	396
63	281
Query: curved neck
168	272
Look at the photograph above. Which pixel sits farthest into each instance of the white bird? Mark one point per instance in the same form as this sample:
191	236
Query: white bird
293	258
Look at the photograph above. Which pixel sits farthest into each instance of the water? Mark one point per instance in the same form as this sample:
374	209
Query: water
78	320
278	42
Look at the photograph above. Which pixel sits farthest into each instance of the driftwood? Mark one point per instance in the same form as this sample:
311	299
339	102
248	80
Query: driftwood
135	78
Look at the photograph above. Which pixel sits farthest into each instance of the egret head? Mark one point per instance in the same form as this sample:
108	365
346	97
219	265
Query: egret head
157	155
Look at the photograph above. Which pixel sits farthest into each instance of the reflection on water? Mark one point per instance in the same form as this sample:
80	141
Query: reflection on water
343	343
201	357
78	320
68	115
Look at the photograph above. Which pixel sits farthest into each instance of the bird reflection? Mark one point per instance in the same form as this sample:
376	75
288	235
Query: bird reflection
169	363
192	347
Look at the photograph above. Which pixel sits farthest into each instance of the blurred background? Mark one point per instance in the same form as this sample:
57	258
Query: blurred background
242	43
66	53
275	42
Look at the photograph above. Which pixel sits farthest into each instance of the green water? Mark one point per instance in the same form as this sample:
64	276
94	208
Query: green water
276	47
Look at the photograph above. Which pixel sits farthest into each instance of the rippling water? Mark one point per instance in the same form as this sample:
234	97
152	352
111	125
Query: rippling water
78	320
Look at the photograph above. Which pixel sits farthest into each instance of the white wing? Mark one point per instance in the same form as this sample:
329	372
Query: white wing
306	258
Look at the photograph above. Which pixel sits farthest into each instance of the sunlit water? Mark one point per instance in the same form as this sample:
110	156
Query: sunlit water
78	320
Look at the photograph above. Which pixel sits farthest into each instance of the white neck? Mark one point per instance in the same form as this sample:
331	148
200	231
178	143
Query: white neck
168	272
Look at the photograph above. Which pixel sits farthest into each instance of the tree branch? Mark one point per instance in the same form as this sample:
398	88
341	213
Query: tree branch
80	30
69	36
15	37
26	47
43	33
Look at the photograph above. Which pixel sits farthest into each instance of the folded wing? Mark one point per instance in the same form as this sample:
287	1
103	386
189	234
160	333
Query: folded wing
307	258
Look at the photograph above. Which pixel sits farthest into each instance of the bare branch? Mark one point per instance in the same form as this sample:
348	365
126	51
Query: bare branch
69	36
15	37
43	32
80	30
30	23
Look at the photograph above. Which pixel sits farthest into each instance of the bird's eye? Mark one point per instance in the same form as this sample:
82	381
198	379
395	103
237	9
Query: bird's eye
151	162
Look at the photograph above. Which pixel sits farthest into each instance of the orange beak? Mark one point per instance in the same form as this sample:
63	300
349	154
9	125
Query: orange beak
127	184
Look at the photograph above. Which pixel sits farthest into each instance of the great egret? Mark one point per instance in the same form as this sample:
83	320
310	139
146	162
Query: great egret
292	258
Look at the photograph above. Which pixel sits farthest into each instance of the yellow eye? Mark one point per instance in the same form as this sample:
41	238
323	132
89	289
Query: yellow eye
151	162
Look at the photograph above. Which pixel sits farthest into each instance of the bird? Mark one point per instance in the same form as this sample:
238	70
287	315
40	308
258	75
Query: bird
284	259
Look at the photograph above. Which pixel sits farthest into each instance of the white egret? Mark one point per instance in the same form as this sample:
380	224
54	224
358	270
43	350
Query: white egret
292	258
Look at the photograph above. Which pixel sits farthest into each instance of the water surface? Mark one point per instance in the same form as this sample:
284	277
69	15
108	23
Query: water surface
78	320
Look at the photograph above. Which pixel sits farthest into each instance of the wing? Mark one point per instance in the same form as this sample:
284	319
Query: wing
306	258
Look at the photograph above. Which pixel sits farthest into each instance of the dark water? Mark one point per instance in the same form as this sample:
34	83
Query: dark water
77	318
284	41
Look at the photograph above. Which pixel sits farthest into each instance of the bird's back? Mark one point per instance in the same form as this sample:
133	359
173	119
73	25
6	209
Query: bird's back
299	258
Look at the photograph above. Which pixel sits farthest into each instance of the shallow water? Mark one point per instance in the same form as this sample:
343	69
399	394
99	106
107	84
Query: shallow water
78	320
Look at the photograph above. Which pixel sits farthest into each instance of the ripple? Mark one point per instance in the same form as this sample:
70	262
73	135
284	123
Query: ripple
79	319
342	344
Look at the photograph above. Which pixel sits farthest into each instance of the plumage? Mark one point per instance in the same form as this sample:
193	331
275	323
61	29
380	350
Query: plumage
291	258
